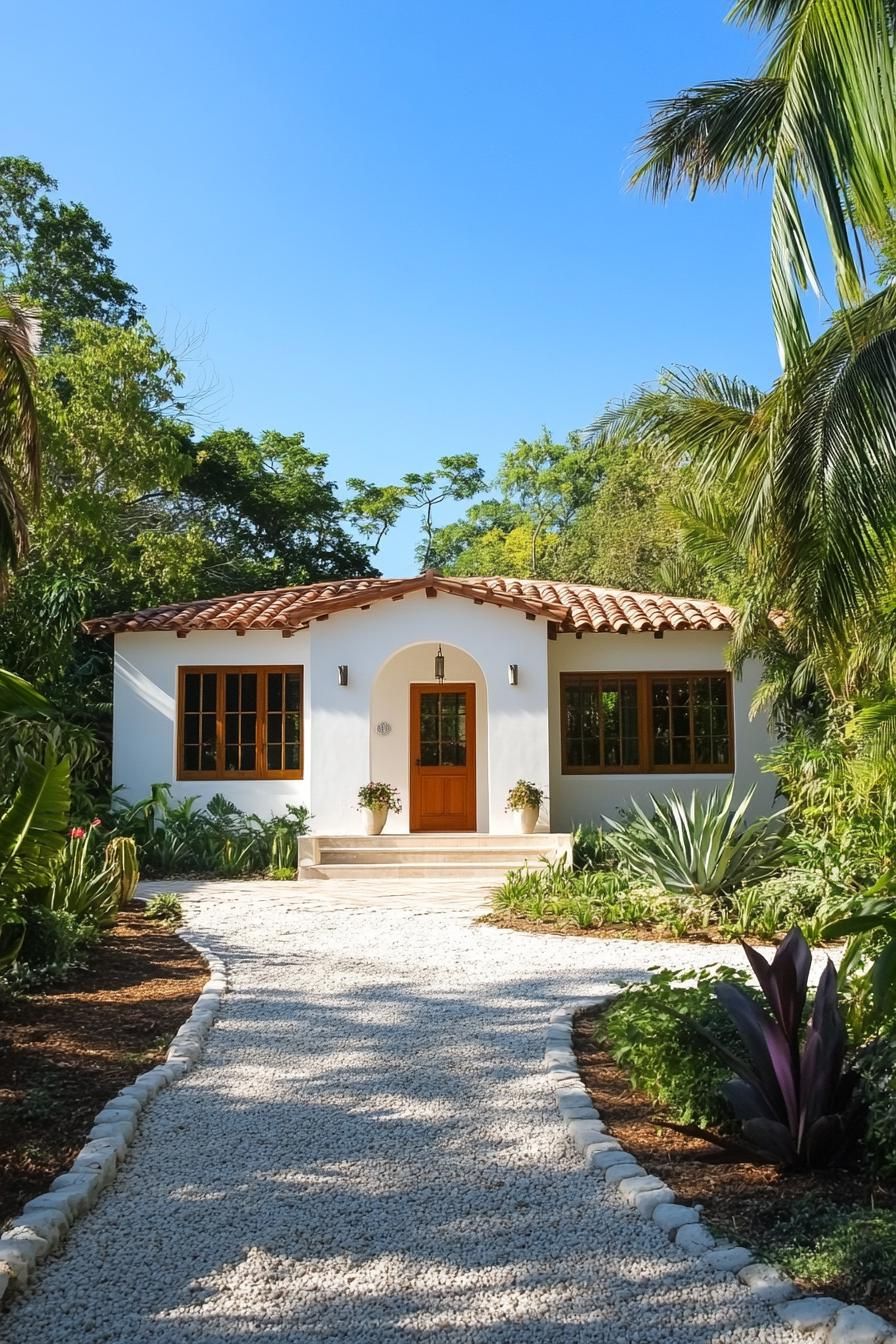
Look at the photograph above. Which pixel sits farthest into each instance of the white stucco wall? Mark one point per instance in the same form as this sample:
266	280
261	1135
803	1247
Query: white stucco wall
516	722
576	798
386	648
144	747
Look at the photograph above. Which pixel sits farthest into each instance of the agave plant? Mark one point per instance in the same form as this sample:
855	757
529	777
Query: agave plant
792	1096
698	848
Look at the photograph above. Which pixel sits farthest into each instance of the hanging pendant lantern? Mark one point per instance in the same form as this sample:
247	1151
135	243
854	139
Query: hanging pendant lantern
440	665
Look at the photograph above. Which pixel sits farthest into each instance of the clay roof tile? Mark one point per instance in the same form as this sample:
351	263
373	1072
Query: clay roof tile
573	607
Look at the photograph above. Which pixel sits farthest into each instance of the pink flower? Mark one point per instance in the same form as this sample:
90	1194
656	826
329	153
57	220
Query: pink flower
77	832
96	822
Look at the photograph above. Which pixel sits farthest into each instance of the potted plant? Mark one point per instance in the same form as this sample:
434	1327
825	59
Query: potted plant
377	800
524	801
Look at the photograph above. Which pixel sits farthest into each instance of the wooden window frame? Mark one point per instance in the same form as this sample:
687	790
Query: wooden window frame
599	678
647	765
261	721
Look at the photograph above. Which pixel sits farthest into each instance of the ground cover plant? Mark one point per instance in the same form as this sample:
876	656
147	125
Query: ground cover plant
647	1025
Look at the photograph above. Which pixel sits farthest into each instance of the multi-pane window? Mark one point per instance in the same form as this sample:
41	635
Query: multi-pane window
643	722
240	722
443	728
690	724
601	723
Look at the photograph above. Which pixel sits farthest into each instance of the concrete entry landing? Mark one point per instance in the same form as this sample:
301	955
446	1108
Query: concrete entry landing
434	855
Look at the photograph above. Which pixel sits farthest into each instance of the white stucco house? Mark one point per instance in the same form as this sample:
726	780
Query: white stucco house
449	689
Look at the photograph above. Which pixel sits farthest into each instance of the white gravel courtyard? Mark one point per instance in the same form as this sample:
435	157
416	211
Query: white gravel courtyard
370	1151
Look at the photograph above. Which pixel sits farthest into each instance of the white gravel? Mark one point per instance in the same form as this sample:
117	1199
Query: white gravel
371	1152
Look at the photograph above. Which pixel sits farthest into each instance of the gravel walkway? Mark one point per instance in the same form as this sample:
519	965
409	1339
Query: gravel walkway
371	1152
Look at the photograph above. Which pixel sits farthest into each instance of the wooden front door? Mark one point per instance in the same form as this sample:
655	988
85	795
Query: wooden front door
443	757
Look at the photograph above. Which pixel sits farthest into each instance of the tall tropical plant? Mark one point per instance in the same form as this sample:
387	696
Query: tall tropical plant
819	120
19	433
32	834
807	472
791	1094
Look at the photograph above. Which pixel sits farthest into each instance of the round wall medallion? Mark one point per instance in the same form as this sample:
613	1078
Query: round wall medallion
383	728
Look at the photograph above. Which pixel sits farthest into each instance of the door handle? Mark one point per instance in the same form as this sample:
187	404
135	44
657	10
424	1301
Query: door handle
418	761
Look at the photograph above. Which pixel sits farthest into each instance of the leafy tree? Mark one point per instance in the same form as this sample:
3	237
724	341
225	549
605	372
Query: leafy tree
549	483
56	253
818	120
265	512
473	544
629	535
374	509
542	485
19	431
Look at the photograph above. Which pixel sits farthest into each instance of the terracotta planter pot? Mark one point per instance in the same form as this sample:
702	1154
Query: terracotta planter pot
375	819
525	820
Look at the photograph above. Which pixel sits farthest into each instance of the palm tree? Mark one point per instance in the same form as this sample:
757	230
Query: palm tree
819	120
19	436
799	483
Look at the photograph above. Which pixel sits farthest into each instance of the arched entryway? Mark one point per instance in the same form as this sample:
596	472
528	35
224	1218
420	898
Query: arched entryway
430	739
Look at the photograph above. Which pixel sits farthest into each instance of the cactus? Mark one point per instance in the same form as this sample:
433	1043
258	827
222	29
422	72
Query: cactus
121	860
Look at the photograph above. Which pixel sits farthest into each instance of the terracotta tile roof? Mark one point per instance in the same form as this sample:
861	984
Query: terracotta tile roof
572	607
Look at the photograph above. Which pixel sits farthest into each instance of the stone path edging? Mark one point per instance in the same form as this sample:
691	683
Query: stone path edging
826	1319
45	1220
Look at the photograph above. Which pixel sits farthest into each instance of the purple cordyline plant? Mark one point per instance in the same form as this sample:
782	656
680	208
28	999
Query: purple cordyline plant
793	1098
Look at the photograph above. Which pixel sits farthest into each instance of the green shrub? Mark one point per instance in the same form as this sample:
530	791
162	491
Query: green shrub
179	837
166	907
876	1065
55	940
700	847
768	908
651	1032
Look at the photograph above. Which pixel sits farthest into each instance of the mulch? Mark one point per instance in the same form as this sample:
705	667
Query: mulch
65	1050
740	1200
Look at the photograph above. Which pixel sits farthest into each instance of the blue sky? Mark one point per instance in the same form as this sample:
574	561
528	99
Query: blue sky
397	225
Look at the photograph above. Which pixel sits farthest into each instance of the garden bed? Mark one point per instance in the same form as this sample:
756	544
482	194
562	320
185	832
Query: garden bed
833	1231
65	1050
641	932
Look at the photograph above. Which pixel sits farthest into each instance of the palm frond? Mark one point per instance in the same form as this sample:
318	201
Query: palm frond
819	118
32	829
709	134
19	428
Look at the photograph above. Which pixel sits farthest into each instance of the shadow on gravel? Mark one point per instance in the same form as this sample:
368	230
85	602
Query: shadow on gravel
369	1162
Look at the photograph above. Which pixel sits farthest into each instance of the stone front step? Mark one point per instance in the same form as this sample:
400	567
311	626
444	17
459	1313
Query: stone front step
455	855
487	854
465	840
401	872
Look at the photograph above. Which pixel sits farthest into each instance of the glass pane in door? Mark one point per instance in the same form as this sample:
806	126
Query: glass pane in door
443	728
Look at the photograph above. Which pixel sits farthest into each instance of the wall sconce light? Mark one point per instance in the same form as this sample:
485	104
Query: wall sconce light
513	674
440	665
342	672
